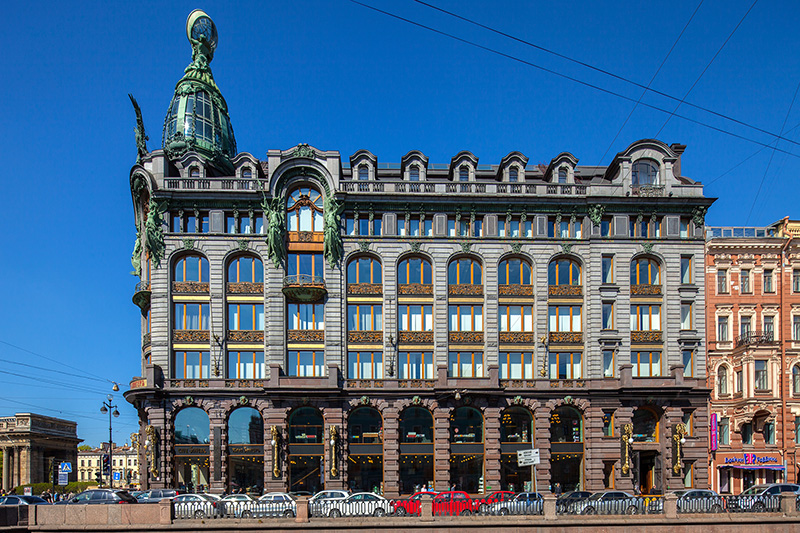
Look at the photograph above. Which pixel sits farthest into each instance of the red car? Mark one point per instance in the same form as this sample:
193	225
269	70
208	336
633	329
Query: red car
453	503
481	505
413	504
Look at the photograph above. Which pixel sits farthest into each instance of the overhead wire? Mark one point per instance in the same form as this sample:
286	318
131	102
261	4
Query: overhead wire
88	375
588	66
571	78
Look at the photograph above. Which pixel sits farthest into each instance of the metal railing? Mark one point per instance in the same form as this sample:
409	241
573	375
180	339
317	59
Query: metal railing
303	279
755	337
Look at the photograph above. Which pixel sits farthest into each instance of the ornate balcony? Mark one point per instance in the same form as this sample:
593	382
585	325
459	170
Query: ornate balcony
246	336
415	289
465	290
145	340
304	288
645	290
466	337
141	295
190	335
245	288
648	190
364	384
189	287
365	289
364	337
306	335
755	337
517	337
645	336
565	290
415	337
515	290
566	337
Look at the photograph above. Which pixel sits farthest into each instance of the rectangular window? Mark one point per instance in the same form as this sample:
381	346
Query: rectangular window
306	363
191	223
646	364
688	420
608	423
769	327
747	433
686	316
722	281
605	226
175	223
516	365
564	318
191	365
608	315
245	224
246	365
230	223
795	280
722	329
466	317
745	325
797	430
204	224
768	287
688	363
415	365
739	381
608	363
688	475
769	432
364	365
305	267
246	317
761	377
306	316
724	431
796	327
464	227
564	228
516	318
191	316
364	317
686	269
608	269
645	318
565	365
465	364
684	228
515	227
744	281
415	317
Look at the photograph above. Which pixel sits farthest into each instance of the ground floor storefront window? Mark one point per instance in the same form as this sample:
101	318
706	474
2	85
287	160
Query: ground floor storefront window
365	473
566	469
466	472
305	473
416	472
513	477
246	473
192	473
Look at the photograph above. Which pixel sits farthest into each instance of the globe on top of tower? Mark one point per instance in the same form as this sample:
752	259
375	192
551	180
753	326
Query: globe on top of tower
197	119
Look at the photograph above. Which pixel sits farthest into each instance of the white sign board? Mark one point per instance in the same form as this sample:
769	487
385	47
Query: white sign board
528	457
63	478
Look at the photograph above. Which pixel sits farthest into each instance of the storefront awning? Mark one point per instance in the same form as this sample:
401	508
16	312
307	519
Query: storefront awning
753	467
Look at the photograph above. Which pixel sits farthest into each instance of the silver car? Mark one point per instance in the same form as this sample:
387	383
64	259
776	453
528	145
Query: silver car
275	504
195	506
608	502
359	504
524	503
237	505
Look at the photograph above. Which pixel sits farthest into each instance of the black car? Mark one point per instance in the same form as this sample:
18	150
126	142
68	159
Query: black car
570	498
13	499
101	496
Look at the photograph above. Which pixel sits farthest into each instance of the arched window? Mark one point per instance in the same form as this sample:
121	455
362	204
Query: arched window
516	425
304	210
416	425
645	271
566	425
365	426
464	271
365	457
247	173
414	270
191	426
416	462
246	269
566	448
645	425
796	380
245	426
194	172
305	426
304	461
364	270
513	175
564	272
191	268
363	173
413	173
463	173
466	425
191	430
722	379
644	173
245	449
466	448
515	272
562	175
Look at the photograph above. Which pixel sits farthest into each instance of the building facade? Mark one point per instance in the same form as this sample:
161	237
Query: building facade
753	332
124	460
313	322
32	445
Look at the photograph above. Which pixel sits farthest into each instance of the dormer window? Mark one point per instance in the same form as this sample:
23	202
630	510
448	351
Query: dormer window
363	173
194	172
644	173
562	175
463	174
513	175
247	173
413	173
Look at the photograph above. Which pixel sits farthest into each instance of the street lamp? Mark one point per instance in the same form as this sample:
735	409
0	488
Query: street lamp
106	408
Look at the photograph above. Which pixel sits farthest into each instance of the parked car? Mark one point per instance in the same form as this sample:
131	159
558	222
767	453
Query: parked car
692	501
452	503
195	506
215	497
413	504
609	502
237	505
319	503
568	499
524	503
481	504
761	498
13	499
275	504
156	495
101	496
359	504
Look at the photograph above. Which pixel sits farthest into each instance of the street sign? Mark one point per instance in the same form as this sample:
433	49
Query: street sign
65	467
117	476
528	457
63	478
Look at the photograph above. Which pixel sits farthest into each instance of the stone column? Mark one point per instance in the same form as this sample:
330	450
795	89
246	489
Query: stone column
217	472
491	449
391	453
276	417
6	460
25	465
441	448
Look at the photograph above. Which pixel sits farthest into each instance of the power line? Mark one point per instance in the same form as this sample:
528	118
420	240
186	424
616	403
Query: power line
575	80
88	374
647	88
49	382
652	80
705	69
51	370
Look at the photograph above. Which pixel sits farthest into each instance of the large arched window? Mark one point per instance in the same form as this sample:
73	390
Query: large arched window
414	270
246	269
364	270
304	210
305	426
466	448
645	271
516	429
464	271
416	449
566	425
191	268
566	448
516	425
245	449
466	425
191	426
191	431
563	272
365	457
722	379
645	425
245	426
515	271
644	173
416	425
306	450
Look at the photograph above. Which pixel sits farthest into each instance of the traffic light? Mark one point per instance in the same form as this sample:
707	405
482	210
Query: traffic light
106	465
98	477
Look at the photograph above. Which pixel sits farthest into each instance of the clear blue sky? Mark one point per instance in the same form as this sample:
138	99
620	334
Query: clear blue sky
339	76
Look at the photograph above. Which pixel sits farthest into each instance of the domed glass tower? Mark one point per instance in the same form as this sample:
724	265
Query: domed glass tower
197	119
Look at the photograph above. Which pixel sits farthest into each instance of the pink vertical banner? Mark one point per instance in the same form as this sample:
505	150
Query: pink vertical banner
713	433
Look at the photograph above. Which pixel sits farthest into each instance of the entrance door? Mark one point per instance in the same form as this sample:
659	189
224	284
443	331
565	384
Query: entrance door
649	471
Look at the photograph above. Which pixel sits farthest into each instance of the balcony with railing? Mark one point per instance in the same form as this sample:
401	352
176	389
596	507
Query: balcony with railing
642	337
755	337
648	190
304	287
141	295
645	290
213	184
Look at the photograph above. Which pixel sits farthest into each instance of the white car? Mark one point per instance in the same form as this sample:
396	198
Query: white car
237	505
195	506
275	504
359	504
